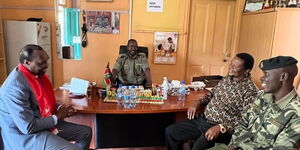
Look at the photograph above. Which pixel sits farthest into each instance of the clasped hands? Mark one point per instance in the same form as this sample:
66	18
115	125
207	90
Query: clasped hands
212	133
65	111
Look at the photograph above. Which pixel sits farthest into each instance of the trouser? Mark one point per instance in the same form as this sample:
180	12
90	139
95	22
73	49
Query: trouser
195	129
80	134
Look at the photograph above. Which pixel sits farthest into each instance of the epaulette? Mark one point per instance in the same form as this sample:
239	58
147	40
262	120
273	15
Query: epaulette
122	55
142	54
296	105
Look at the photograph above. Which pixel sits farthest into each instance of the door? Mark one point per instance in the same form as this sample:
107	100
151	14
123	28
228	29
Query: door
210	37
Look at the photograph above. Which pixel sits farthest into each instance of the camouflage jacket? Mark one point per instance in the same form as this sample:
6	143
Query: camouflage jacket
270	125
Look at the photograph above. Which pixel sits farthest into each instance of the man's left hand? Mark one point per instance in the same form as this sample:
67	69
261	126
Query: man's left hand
212	133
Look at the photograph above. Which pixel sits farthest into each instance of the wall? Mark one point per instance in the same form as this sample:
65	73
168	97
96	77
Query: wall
103	48
174	18
22	10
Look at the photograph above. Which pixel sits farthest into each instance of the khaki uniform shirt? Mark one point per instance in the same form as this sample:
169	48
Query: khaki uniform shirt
269	125
131	70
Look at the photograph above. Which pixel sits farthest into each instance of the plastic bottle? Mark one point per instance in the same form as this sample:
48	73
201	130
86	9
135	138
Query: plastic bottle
181	91
133	96
120	95
126	102
165	86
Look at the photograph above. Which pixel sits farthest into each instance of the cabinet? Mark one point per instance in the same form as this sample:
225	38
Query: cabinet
268	34
3	73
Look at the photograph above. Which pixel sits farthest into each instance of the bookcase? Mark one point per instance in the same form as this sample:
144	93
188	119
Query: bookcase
3	73
270	33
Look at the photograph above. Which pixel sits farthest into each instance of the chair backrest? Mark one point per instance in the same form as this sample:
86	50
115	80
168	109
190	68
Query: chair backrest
123	49
210	81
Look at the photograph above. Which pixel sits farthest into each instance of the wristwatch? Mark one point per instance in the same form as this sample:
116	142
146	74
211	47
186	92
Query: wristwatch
222	128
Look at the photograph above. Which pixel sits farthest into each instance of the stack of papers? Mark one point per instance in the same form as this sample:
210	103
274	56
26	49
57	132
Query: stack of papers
79	86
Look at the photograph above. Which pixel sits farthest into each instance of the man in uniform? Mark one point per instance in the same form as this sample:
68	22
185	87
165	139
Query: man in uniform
224	105
132	67
273	122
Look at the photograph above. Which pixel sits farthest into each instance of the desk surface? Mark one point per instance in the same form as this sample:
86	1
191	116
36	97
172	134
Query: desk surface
85	105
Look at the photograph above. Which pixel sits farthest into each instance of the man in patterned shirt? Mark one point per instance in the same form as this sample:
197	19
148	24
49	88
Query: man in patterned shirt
224	105
273	122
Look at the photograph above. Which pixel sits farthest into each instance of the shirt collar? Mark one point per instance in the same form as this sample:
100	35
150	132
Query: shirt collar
283	102
241	80
134	57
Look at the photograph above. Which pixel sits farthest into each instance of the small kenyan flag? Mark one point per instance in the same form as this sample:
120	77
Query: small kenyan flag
106	80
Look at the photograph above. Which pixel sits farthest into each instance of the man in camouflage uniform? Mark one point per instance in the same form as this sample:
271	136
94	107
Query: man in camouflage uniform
132	67
273	122
224	105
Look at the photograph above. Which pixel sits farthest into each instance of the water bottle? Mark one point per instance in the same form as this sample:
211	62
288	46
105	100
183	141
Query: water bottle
120	95
126	102
133	96
181	91
165	86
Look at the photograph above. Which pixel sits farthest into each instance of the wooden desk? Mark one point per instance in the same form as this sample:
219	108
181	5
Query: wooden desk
115	126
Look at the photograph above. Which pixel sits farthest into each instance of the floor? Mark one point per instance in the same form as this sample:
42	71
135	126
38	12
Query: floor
137	148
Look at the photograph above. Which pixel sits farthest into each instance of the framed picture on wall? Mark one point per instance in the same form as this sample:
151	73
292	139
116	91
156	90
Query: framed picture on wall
103	21
98	0
165	47
253	5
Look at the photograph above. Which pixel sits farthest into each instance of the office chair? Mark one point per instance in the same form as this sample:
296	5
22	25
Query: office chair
210	81
123	49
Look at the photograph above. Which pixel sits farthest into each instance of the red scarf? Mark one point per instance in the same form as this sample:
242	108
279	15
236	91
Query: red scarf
42	90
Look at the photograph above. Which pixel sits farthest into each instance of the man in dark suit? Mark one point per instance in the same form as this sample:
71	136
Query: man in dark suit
29	116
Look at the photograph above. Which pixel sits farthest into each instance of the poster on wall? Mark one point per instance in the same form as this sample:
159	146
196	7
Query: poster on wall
103	22
165	47
155	5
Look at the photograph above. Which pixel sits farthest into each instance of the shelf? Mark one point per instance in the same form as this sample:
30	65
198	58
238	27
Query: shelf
272	10
1	59
260	11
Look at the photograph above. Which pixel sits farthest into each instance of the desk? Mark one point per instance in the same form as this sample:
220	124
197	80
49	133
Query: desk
115	126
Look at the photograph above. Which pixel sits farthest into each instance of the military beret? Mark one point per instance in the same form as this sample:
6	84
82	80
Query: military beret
277	62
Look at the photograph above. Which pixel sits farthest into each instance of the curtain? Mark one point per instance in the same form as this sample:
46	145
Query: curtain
72	31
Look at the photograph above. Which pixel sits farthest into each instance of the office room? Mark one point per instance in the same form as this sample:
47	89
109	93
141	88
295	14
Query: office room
189	60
